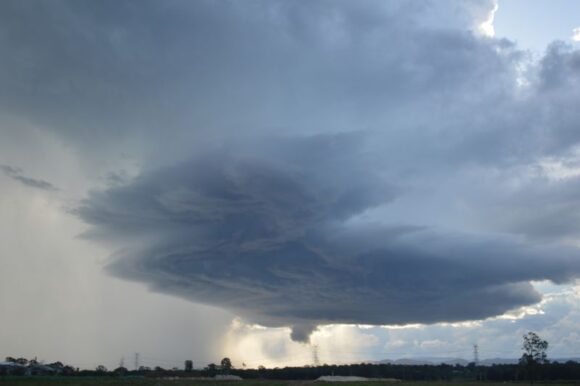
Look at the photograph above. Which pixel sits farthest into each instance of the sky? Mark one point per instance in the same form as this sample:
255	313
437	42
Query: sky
265	179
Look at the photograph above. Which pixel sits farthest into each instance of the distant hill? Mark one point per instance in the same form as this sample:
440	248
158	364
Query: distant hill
498	361
426	361
460	361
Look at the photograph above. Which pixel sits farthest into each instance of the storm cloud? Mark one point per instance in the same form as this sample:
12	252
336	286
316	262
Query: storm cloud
314	162
271	233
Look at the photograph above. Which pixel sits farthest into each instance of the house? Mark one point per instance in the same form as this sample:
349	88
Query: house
12	368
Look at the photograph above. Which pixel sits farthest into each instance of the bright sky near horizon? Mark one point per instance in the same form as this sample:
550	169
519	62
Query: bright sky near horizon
380	179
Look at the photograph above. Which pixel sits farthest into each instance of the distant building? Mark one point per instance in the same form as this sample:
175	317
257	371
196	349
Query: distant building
33	368
12	368
189	366
41	369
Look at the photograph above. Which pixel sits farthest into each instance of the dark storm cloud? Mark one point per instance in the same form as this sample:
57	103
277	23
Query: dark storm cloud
16	174
295	224
271	234
152	78
157	77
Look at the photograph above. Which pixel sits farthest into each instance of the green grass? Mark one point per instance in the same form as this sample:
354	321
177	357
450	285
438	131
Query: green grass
128	381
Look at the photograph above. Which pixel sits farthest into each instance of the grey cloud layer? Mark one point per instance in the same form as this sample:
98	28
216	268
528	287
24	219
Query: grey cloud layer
16	174
140	76
274	214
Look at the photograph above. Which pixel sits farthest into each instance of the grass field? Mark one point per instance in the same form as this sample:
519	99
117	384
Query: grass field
74	381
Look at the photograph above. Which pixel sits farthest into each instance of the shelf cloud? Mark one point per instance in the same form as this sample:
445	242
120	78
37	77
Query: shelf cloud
270	233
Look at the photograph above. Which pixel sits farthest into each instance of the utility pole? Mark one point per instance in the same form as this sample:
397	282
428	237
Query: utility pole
478	376
315	358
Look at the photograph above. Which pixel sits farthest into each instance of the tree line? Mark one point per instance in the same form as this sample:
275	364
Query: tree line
533	365
499	372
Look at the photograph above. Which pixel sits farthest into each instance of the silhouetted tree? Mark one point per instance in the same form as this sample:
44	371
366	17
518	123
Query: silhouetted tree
120	371
57	364
101	369
226	365
68	370
211	369
534	354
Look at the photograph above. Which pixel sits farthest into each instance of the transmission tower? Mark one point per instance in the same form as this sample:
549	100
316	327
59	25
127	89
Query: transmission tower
136	361
476	354
315	358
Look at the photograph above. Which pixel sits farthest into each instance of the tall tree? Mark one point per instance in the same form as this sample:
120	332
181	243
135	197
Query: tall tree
211	369
226	365
534	354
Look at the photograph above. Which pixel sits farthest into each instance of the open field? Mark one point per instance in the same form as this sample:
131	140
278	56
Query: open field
76	381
